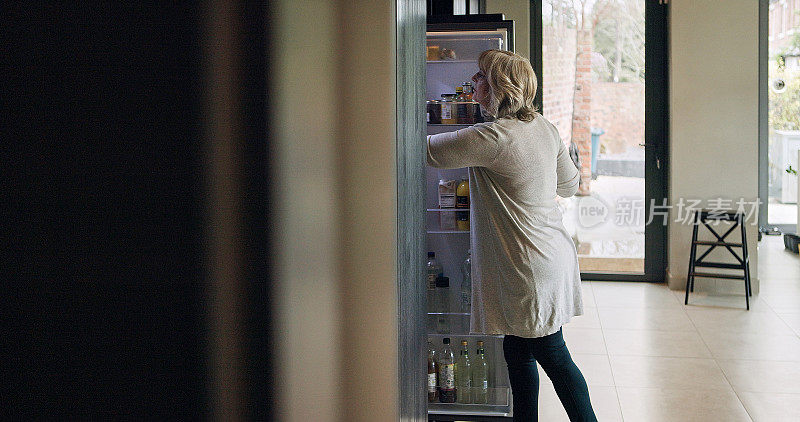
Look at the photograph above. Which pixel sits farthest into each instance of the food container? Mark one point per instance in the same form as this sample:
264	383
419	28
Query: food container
478	115
434	53
434	109
466	112
447	193
449	109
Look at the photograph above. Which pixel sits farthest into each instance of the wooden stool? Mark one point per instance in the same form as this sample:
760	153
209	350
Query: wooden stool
737	218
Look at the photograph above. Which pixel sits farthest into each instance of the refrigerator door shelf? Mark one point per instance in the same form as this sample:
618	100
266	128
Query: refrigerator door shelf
498	399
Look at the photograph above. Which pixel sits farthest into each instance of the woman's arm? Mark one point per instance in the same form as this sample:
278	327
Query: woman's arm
568	175
475	146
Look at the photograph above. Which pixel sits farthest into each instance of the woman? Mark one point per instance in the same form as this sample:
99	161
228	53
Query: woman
526	281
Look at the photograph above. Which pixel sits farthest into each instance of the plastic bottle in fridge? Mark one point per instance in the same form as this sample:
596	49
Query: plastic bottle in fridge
466	284
434	271
442	304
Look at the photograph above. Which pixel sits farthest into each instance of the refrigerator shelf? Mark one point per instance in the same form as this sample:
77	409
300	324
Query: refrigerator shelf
447	231
452	124
450	313
451	335
451	61
447	210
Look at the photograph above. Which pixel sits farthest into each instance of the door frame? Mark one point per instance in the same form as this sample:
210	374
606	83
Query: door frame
763	124
656	132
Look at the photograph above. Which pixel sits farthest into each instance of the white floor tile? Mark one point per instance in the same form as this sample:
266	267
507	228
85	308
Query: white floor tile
791	318
762	376
765	407
705	300
655	343
666	372
738	320
633	295
751	345
604	402
645	319
589	319
669	405
596	370
587	294
584	340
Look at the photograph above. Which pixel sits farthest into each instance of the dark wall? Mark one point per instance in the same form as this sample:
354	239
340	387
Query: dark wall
103	275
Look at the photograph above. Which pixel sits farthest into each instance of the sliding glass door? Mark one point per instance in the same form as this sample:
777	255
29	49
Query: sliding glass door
603	74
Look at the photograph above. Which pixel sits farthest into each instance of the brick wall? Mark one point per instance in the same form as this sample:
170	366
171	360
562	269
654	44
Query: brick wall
618	109
582	107
558	78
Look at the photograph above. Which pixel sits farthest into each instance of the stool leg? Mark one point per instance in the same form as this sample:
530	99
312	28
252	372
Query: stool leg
748	291
692	254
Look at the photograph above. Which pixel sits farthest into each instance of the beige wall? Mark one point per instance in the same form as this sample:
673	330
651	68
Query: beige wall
335	261
714	117
519	12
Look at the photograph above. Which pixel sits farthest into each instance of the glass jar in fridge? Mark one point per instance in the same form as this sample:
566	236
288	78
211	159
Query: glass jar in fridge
449	110
434	111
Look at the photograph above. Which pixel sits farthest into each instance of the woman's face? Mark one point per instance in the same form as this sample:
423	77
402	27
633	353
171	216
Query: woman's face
481	91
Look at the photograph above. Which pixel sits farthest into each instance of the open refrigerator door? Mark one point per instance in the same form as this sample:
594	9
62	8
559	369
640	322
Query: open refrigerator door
467	371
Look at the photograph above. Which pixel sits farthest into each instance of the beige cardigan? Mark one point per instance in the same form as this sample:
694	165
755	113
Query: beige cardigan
525	275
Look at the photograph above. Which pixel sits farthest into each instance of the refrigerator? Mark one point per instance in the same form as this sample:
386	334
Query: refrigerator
453	47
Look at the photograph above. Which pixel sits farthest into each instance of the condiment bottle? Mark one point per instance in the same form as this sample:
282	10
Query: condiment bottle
467	88
433	369
447	374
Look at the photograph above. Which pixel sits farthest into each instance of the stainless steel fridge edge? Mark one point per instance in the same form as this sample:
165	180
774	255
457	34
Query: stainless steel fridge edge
410	97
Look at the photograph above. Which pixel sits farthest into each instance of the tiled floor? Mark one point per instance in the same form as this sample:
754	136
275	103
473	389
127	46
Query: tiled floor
648	357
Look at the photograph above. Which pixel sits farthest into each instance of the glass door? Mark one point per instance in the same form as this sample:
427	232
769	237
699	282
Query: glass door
782	39
603	84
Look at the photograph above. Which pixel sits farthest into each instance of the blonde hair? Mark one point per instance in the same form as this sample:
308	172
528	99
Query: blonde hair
512	84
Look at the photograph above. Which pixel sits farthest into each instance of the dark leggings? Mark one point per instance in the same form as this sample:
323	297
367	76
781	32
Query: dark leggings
551	352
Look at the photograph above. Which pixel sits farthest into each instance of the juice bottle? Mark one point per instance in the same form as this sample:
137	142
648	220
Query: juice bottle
462	194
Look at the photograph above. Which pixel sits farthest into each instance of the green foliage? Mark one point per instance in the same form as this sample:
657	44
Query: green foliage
784	108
